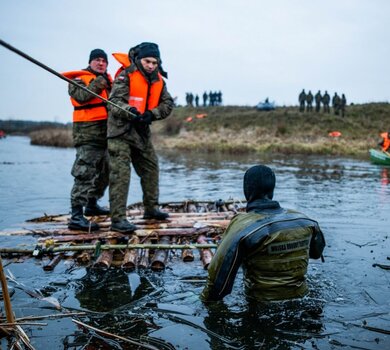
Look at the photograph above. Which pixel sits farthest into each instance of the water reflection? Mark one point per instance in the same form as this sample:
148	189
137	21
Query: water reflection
385	176
106	290
272	325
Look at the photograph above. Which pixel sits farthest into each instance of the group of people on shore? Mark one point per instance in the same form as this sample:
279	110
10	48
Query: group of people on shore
306	102
111	131
212	98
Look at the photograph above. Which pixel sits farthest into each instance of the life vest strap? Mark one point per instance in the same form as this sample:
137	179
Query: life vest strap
90	106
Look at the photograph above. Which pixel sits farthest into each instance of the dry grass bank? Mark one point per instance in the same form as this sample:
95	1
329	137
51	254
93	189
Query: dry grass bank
52	137
244	129
285	130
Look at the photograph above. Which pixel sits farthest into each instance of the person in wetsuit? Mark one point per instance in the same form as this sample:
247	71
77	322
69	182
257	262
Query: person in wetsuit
271	243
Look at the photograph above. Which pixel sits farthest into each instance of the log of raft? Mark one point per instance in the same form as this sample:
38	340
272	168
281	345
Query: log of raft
85	256
187	255
139	233
52	263
160	256
75	248
144	257
131	256
205	254
105	258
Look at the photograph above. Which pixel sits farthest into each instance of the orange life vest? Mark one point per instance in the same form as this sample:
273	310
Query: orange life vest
123	59
95	109
386	141
142	95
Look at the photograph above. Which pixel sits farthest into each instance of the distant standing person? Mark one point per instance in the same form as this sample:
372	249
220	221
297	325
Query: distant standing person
326	101
343	104
196	100
212	98
302	100
205	97
318	99
219	95
141	90
336	103
309	101
90	169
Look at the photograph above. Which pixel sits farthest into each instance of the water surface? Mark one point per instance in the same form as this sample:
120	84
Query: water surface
350	198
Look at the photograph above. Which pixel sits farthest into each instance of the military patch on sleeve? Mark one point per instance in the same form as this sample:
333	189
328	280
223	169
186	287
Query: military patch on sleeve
287	247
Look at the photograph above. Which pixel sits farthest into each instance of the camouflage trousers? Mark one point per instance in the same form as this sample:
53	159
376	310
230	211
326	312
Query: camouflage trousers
122	153
326	108
90	172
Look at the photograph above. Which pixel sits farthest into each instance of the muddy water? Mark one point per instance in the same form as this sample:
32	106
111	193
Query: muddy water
348	303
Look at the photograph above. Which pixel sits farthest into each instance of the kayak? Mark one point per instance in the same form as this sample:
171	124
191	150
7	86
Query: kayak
379	157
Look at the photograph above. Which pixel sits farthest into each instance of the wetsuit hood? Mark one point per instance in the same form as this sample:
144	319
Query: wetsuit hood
259	183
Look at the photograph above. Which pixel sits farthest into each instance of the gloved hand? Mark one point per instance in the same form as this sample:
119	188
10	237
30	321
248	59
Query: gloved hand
105	76
136	117
98	84
147	118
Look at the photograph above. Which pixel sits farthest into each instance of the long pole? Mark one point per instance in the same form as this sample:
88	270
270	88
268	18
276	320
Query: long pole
6	298
76	248
52	71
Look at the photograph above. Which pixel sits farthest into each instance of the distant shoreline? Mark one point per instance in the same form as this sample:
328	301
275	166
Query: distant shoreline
246	130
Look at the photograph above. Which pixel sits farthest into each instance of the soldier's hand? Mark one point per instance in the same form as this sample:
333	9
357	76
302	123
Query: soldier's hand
107	79
147	118
99	83
134	110
136	116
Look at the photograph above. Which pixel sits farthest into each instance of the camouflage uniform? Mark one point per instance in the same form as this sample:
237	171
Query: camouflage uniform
326	101
343	103
130	142
302	100
90	169
336	101
318	99
274	267
309	101
205	97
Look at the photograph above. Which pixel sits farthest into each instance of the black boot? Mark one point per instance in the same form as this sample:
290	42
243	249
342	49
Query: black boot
92	208
122	226
155	214
79	222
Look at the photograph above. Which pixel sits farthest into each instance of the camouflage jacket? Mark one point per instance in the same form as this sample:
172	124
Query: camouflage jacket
326	99
274	264
119	122
89	133
336	100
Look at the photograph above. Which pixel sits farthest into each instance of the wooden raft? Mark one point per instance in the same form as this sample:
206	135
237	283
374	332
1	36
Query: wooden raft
193	230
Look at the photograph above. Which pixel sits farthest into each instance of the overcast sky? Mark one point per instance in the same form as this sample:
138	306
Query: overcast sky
248	49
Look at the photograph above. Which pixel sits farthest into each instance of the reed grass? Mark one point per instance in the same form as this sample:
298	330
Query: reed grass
52	137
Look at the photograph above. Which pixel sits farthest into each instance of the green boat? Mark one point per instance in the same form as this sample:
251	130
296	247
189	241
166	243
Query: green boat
379	157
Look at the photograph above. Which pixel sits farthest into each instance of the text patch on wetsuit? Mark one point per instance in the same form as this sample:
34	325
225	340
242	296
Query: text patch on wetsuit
286	247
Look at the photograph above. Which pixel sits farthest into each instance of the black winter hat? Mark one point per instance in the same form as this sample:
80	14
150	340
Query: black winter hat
148	50
259	182
97	53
